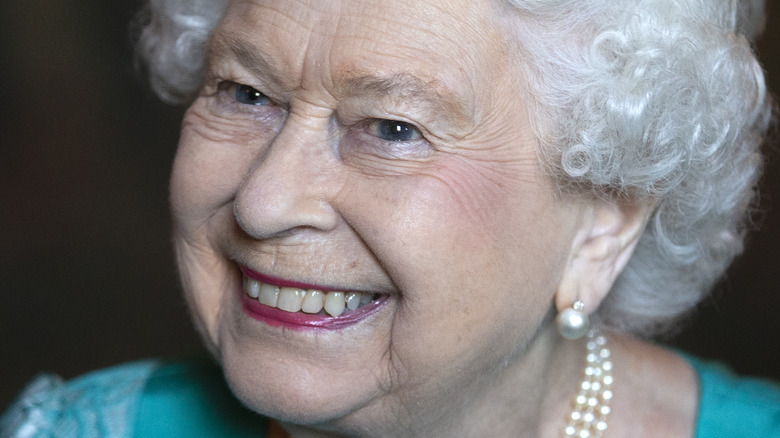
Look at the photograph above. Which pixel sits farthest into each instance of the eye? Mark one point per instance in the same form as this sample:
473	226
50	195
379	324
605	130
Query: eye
394	130
249	96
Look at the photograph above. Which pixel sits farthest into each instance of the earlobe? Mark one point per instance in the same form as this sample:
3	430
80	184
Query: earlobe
601	249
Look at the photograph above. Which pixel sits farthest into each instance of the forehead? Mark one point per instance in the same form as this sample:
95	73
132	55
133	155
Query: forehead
442	43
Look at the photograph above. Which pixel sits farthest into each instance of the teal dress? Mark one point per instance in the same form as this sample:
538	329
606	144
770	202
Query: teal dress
732	406
145	399
191	399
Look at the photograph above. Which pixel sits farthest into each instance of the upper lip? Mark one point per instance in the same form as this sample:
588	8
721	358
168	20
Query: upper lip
284	282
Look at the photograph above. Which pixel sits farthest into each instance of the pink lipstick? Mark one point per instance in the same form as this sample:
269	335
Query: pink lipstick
301	320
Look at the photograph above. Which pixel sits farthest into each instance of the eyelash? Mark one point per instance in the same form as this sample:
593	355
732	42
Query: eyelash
234	92
248	94
368	138
224	101
388	127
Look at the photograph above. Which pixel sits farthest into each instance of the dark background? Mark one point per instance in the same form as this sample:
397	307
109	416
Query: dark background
86	272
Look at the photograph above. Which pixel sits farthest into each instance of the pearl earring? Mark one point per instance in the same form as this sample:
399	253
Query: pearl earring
573	322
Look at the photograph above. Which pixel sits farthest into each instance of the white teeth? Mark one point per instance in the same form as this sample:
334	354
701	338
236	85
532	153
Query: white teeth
291	299
313	301
269	295
334	303
251	287
353	300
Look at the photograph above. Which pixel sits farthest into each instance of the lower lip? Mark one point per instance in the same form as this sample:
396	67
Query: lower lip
304	321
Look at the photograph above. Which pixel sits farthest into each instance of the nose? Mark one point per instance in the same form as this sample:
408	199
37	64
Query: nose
289	186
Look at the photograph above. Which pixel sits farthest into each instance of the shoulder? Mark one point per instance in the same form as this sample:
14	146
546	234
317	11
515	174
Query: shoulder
735	406
96	404
149	399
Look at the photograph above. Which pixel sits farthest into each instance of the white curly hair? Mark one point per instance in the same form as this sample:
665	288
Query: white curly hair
657	101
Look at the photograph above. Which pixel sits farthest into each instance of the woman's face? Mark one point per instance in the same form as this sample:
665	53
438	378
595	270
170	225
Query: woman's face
374	147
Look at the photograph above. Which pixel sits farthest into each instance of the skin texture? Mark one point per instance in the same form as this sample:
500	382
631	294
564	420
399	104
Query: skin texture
458	225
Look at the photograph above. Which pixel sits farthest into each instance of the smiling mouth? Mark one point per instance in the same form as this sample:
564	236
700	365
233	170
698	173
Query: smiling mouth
304	299
311	301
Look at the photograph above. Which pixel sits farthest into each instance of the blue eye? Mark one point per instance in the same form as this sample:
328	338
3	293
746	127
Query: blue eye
249	96
393	130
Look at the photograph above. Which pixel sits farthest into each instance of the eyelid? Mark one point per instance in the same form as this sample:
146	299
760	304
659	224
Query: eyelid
373	126
362	142
221	99
246	94
226	93
225	85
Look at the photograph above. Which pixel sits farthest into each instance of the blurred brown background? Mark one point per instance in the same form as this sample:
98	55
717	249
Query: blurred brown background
86	272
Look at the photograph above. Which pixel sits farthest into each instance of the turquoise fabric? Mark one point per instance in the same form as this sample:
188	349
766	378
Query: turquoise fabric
140	399
102	403
158	399
191	399
732	406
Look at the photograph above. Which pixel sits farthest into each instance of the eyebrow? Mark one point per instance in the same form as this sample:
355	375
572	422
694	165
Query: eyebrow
396	87
405	88
378	86
247	54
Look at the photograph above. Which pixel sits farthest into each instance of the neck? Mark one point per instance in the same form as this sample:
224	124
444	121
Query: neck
533	396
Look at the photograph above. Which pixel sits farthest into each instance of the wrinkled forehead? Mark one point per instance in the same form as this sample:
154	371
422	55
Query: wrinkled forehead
452	43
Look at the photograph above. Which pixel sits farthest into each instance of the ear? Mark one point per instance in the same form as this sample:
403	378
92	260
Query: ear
601	249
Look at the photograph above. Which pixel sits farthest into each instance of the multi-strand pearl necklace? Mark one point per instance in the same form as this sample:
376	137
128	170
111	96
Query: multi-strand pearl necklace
588	419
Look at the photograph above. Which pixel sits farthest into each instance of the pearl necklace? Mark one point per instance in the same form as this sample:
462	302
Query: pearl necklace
588	419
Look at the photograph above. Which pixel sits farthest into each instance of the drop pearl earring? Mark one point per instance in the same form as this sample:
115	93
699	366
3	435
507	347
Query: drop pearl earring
573	323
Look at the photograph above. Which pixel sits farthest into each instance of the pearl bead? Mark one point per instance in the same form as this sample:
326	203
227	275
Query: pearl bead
572	324
589	417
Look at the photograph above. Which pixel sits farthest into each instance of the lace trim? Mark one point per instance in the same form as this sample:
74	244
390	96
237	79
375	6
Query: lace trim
102	403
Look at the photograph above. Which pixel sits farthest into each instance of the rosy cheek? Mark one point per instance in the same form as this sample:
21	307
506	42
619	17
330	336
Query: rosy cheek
473	196
410	220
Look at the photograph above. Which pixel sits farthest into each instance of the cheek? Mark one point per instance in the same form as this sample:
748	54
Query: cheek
207	171
466	243
206	174
483	215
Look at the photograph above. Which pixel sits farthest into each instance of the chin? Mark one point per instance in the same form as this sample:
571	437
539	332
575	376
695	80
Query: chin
304	369
279	385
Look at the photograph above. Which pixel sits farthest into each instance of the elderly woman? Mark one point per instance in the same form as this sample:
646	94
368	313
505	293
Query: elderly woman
445	219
